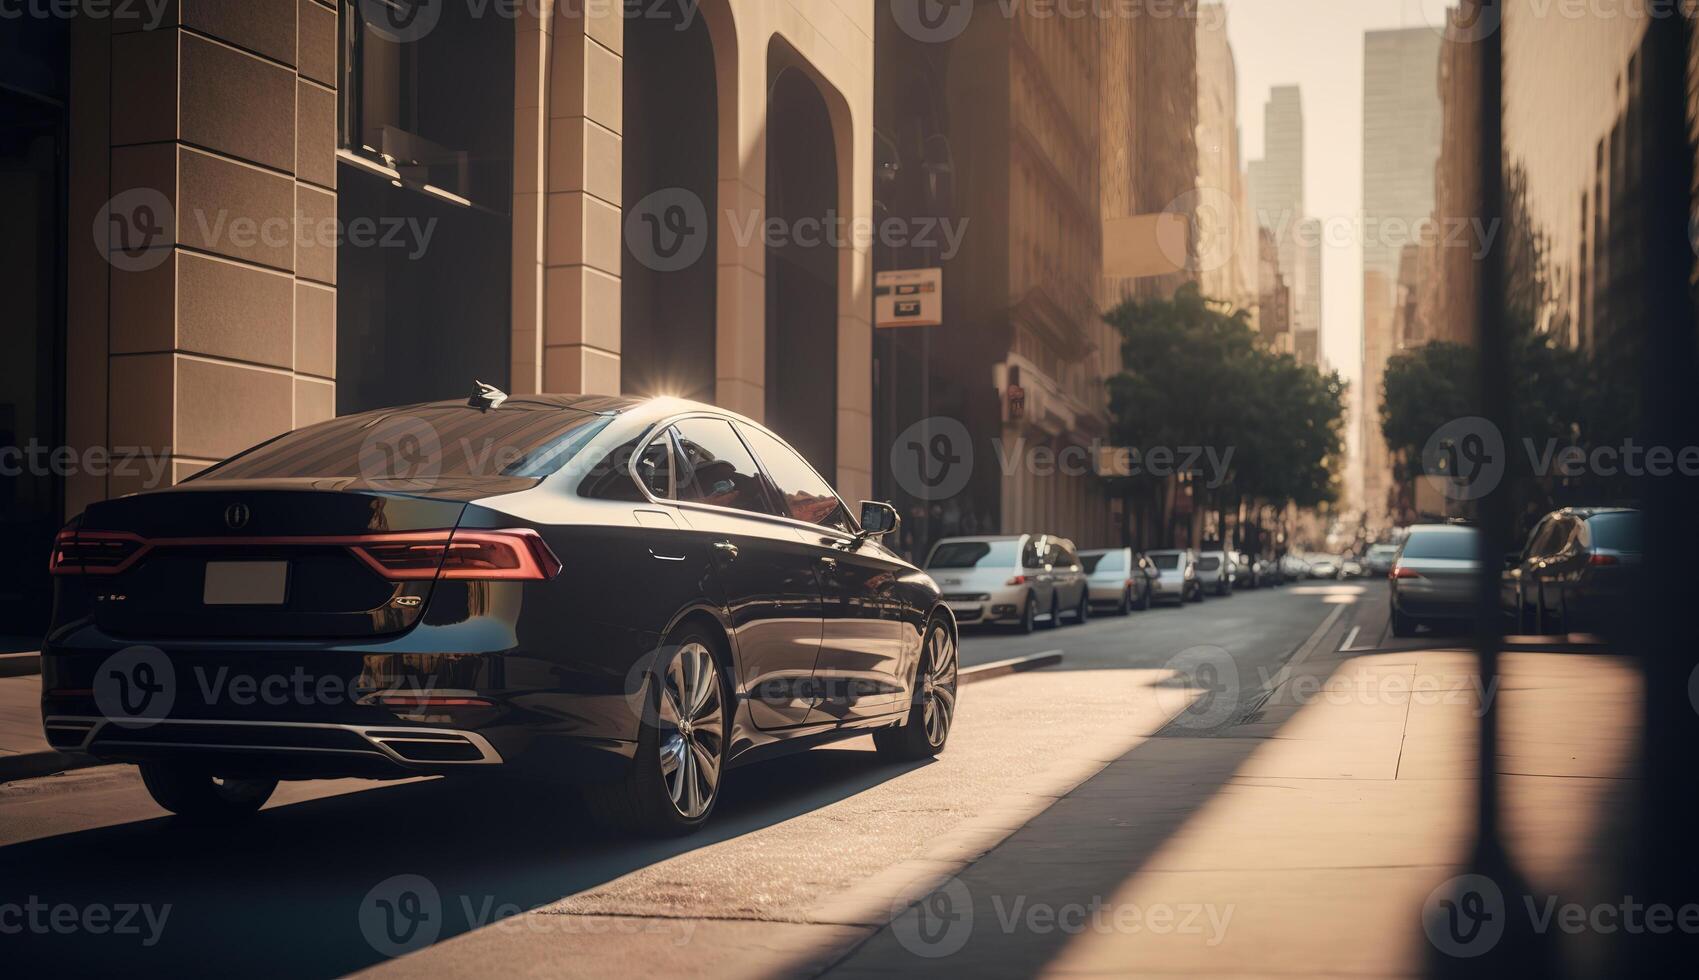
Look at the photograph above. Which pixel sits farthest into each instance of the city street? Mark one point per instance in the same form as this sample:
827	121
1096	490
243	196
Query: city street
805	859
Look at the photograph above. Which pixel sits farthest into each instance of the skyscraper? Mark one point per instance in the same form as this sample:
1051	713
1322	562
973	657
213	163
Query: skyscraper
1402	122
1225	271
1277	180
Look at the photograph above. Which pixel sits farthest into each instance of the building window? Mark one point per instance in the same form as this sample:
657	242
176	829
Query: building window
424	302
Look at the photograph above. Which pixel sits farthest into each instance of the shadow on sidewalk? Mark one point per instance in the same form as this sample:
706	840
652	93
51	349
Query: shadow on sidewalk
285	894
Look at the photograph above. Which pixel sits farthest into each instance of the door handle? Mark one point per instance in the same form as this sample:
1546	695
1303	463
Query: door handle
727	549
660	557
829	561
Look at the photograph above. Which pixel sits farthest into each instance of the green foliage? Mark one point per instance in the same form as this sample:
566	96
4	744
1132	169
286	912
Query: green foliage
1195	376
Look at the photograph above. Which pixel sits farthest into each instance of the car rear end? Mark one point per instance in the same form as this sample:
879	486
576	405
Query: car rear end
1437	572
1607	583
285	615
1174	575
981	578
1214	571
1110	576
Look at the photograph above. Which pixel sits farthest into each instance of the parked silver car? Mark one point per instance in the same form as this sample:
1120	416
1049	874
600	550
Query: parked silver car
1120	580
1435	576
1215	572
1176	575
1022	580
1379	558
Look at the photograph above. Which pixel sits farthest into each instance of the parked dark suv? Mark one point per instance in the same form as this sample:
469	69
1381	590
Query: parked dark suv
632	595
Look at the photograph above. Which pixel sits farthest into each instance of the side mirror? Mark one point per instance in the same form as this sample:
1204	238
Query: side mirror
878	519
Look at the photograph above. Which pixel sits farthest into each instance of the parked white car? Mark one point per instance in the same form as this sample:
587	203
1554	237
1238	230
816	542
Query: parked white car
1020	580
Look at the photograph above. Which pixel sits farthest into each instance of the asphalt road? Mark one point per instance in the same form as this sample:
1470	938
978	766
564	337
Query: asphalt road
801	859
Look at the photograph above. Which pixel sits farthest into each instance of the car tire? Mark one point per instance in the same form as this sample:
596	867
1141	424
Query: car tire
1055	619
1402	625
1197	591
688	684
932	707
1126	606
1029	616
198	795
1082	615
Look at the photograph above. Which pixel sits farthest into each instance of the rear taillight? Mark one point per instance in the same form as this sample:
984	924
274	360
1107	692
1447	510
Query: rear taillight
79	552
1597	560
1402	572
1017	580
516	555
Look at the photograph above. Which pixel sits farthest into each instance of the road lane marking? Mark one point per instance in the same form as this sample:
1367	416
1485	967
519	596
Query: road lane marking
1350	638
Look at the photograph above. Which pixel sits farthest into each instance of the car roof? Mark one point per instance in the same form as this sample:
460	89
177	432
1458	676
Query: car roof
983	538
1445	528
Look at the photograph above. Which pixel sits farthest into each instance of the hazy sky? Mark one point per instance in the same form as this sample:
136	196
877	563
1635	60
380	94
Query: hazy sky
1318	45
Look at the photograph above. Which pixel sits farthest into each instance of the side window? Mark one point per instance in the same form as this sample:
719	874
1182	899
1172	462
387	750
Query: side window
1032	556
716	469
803	493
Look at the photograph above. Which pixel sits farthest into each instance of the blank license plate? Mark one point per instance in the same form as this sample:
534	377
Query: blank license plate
246	583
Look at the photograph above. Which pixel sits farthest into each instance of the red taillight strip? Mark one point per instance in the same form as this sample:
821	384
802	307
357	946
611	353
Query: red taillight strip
59	564
535	559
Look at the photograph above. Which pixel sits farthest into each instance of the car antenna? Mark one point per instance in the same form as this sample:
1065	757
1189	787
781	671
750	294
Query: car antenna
486	397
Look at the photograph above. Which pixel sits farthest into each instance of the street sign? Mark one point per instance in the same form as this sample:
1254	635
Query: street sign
908	298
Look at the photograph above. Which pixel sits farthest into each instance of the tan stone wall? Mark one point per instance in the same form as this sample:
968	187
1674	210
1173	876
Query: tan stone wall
567	220
210	141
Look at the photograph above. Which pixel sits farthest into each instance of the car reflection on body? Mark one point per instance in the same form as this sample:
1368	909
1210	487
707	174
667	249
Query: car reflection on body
642	595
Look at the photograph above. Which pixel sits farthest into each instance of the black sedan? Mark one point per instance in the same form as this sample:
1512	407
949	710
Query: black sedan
628	595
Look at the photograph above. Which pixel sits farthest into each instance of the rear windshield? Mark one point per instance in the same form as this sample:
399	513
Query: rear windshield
1618	532
1459	544
1208	564
1166	561
1114	561
428	442
1383	549
969	554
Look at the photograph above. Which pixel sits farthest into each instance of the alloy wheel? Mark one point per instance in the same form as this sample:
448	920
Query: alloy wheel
938	686
693	730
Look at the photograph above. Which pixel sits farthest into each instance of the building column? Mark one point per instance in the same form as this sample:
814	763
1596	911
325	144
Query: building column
221	231
575	176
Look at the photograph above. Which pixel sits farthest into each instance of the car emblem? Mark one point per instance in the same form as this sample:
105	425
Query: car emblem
236	516
408	601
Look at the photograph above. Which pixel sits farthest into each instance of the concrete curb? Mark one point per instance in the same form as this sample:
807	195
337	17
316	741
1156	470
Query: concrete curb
1014	665
20	664
31	765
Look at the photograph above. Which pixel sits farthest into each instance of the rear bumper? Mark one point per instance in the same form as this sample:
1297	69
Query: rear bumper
309	713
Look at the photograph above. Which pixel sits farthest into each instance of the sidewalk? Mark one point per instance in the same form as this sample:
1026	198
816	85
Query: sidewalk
24	753
1304	840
